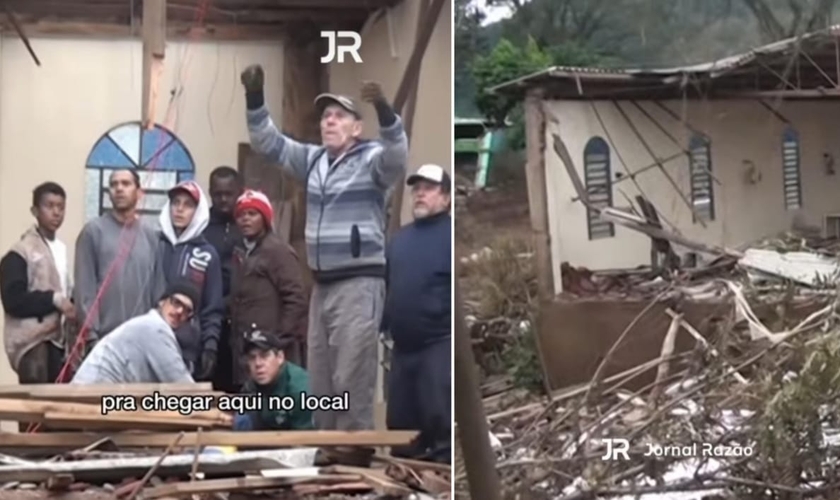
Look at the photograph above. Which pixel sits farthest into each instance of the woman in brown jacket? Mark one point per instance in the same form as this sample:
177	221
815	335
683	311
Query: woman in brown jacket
267	288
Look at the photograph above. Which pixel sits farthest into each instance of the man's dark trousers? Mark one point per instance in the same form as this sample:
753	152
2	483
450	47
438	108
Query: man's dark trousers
419	398
223	376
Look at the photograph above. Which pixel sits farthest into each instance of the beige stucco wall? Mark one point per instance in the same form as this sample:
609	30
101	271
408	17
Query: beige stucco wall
739	131
385	52
51	116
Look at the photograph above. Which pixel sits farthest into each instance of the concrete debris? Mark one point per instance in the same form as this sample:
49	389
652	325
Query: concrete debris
802	267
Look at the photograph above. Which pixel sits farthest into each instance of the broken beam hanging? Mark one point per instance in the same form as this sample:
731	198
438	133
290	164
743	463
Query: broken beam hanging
154	47
411	77
618	154
629	220
21	33
662	129
662	169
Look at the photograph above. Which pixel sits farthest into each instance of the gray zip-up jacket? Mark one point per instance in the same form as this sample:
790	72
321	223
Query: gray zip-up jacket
345	210
141	350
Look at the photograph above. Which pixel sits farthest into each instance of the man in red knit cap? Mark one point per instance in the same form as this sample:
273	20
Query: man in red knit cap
267	290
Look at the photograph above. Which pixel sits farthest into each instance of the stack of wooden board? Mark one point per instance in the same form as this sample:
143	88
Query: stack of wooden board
73	407
79	407
130	450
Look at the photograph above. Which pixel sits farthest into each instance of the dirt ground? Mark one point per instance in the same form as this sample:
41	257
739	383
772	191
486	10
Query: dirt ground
486	216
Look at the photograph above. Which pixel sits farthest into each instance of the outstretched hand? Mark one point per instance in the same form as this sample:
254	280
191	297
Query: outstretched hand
253	78
372	92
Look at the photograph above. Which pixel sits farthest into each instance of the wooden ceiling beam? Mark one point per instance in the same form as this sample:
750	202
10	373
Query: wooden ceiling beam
188	15
154	49
174	31
235	4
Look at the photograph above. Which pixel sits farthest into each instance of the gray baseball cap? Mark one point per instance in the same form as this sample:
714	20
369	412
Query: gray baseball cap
324	100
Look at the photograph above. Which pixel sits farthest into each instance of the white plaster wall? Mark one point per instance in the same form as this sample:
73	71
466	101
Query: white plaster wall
739	130
51	116
386	48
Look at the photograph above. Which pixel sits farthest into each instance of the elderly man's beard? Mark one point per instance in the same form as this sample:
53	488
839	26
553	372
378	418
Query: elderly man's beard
421	211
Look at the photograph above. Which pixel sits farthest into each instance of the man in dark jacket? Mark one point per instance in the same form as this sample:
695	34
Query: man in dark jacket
224	235
417	316
276	379
267	290
185	255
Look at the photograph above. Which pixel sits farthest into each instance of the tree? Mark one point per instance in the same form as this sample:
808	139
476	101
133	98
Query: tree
468	41
505	63
779	19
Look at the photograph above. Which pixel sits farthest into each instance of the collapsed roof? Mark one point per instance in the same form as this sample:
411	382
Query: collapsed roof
803	67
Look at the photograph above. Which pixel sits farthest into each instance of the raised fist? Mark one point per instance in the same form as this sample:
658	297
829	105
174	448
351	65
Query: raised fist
253	78
372	92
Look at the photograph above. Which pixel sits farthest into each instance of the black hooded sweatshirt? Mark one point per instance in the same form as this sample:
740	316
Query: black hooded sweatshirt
224	235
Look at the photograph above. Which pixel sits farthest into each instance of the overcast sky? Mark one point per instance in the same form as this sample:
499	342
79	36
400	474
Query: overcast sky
492	14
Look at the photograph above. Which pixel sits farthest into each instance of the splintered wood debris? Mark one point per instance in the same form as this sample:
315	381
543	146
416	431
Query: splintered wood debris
169	455
751	411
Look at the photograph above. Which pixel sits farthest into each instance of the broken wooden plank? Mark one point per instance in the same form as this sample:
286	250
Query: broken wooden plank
415	464
153	32
241	484
376	478
95	392
111	469
632	221
324	489
60	482
26	410
256	439
124	421
97	399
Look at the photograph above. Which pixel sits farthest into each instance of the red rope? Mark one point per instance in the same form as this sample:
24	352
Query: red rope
126	238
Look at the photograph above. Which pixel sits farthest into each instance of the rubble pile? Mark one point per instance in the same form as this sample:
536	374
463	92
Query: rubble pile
750	412
70	447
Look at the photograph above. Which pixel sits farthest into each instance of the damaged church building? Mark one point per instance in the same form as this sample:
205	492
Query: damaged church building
707	192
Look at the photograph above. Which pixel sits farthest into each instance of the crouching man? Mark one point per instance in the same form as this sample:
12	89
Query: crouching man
144	349
279	381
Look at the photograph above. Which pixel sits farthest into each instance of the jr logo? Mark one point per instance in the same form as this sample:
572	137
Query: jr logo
615	448
334	49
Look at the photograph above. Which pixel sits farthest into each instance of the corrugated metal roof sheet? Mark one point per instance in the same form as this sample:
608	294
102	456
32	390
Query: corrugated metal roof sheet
710	69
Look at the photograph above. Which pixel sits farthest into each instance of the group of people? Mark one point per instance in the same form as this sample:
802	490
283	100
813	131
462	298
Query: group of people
212	293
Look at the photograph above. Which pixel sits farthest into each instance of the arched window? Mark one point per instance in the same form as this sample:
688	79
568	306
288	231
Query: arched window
596	169
700	167
157	154
791	177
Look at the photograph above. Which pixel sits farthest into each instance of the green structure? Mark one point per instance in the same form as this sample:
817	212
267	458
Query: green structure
475	142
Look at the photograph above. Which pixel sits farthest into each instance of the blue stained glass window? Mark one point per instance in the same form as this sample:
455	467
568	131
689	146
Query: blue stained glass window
160	158
597	175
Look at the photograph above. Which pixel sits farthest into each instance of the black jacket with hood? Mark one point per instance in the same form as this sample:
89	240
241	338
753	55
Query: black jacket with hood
190	256
223	233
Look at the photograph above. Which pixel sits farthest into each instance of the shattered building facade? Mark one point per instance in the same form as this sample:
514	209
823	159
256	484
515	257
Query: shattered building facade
727	152
664	170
